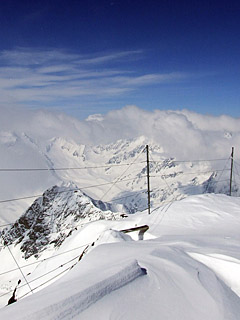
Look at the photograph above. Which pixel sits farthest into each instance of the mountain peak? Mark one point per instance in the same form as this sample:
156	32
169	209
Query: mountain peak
52	218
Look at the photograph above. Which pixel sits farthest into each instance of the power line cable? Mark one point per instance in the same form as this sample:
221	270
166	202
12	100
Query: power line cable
109	201
224	169
237	163
43	275
64	169
202	160
129	196
19	268
190	173
9	224
42	284
99	167
188	161
162	177
39	261
69	190
6	224
236	171
113	184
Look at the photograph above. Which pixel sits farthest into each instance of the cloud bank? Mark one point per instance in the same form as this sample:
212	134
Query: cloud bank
182	134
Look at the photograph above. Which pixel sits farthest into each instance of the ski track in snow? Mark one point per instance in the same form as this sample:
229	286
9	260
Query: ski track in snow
74	305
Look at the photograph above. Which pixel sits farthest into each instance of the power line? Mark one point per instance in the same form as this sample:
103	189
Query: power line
43	275
39	261
237	163
202	160
188	161
236	171
99	167
19	268
129	196
64	169
118	179
69	190
112	200
190	173
42	284
5	225
224	169
115	199
162	176
200	185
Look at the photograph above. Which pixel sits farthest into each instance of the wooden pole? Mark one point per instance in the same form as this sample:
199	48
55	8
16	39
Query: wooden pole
231	172
148	179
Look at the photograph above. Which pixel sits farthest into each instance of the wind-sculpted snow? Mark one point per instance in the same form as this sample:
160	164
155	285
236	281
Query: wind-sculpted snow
226	268
73	301
73	305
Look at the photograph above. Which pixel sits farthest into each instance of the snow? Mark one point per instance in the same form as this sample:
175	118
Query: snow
226	268
73	301
186	266
38	139
191	254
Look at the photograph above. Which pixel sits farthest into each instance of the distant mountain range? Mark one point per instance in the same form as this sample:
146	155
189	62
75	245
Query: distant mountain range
106	151
113	173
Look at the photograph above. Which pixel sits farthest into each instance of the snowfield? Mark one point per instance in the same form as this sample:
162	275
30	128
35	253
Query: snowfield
187	267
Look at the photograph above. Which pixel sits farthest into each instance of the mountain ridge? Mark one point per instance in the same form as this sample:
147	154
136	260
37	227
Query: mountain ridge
52	218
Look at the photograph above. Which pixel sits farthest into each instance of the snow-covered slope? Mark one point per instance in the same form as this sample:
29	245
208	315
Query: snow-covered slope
187	267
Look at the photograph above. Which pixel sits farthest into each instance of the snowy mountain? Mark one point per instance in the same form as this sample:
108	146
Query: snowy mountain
51	219
111	173
44	140
71	189
106	150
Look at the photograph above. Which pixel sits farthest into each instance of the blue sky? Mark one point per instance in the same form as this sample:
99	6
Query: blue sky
85	57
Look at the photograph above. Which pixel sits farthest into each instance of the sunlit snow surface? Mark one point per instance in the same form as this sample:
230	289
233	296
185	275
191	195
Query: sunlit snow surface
191	254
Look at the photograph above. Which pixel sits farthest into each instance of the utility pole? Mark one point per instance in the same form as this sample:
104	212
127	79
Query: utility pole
148	179
231	172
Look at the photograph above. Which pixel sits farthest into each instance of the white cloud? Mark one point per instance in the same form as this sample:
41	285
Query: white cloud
182	134
52	76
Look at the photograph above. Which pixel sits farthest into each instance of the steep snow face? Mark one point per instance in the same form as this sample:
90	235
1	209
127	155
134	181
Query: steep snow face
52	218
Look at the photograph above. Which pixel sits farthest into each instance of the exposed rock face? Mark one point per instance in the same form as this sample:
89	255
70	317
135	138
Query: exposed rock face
52	218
